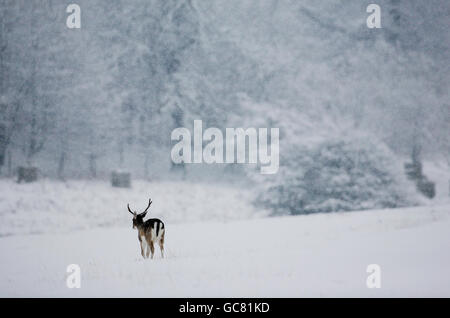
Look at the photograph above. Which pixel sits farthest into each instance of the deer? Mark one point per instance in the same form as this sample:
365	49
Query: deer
150	232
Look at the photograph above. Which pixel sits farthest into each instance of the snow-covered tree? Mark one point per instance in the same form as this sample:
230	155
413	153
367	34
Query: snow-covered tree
339	174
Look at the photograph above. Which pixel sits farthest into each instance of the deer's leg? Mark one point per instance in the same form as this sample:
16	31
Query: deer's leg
152	248
148	251
144	250
161	245
142	247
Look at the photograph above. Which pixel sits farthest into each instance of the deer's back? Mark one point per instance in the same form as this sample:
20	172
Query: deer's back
154	224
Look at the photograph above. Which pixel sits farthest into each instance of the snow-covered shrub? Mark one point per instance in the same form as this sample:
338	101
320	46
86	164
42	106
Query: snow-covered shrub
335	175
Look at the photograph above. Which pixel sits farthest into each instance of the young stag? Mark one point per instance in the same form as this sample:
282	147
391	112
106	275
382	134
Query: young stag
150	232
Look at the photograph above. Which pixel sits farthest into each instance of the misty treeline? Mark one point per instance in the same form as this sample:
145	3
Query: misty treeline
80	103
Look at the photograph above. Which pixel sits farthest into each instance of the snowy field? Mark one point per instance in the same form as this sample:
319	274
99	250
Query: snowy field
321	255
52	206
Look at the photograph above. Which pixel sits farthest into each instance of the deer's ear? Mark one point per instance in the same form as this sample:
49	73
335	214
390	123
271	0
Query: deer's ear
143	214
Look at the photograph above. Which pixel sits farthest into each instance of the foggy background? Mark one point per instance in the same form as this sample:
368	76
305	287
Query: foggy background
353	104
86	117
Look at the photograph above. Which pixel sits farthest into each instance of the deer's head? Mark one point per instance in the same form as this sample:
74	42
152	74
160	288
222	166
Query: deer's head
138	218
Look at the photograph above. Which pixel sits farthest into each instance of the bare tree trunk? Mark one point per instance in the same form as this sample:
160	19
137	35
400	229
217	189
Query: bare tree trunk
146	161
121	155
10	172
2	145
61	165
92	166
2	148
32	144
38	126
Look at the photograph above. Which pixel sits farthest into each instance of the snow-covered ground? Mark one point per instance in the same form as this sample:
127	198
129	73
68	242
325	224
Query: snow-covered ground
51	206
217	244
314	255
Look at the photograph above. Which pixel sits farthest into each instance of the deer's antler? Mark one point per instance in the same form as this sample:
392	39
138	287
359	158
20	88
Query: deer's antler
149	203
129	210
